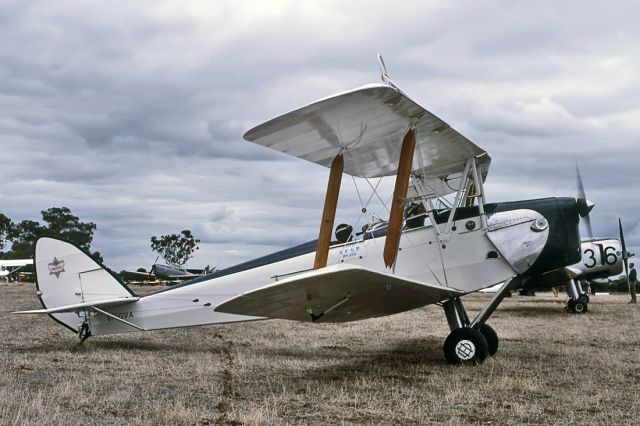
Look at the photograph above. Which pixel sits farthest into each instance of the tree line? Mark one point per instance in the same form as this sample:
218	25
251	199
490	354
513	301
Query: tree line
59	222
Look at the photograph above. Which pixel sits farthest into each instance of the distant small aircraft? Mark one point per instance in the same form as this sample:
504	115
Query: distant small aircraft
462	243
174	272
166	273
138	277
12	266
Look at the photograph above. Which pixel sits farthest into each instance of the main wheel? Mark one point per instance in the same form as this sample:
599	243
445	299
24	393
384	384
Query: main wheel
465	346
578	307
491	336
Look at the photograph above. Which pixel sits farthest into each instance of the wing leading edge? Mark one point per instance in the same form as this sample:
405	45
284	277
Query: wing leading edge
337	293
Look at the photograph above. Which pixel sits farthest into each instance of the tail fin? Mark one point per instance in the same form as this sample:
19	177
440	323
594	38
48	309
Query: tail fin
69	281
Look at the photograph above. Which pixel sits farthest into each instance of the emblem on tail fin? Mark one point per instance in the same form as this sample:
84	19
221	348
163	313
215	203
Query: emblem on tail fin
56	267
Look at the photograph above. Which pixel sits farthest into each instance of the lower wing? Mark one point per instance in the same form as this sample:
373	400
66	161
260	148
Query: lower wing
337	293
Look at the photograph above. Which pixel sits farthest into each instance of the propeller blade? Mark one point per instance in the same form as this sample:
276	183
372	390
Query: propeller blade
624	249
624	246
584	205
580	185
587	224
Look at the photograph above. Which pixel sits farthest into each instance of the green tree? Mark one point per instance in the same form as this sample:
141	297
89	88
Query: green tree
175	249
23	236
62	223
59	222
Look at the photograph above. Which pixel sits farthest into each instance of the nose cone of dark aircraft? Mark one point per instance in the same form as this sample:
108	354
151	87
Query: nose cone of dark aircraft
563	246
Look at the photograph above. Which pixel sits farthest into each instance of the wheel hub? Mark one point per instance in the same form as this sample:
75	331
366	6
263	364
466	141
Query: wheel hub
465	349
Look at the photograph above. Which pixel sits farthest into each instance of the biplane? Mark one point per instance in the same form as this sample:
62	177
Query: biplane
456	244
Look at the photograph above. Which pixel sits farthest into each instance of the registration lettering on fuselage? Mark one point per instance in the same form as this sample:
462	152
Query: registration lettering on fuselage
121	315
349	252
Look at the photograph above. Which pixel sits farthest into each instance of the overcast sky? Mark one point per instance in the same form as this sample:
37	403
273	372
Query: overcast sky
132	113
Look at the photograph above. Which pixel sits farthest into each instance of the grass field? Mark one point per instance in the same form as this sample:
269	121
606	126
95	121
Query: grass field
552	368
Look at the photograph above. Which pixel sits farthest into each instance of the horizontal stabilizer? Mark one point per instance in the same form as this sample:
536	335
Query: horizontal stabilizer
83	306
337	293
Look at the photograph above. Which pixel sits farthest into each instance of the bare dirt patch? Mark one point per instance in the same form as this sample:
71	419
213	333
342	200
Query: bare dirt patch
552	368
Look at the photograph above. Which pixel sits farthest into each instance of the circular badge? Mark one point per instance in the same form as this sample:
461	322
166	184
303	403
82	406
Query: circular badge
465	349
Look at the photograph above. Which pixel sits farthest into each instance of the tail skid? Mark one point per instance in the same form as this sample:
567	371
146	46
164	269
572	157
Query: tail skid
72	286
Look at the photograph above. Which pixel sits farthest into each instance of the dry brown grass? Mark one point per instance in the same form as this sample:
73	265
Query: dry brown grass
552	368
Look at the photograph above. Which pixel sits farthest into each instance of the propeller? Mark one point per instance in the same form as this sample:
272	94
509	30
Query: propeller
625	254
584	205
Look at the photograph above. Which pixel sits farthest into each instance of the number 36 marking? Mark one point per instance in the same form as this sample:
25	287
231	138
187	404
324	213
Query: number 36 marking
607	256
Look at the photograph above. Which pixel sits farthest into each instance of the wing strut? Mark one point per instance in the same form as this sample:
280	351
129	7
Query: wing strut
329	212
399	196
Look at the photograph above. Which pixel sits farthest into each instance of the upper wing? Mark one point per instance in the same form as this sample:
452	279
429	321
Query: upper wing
368	124
337	293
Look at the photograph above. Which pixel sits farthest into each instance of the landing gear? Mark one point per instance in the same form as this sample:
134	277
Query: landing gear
85	332
491	337
579	300
465	346
471	342
577	306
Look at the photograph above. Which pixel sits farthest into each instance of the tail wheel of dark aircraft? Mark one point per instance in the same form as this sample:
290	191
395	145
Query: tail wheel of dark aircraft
491	336
466	346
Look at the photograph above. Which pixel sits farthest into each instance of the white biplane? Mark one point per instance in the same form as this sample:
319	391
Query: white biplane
372	131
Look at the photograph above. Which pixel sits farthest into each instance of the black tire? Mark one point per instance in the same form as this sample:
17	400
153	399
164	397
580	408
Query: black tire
578	307
583	298
465	346
491	336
